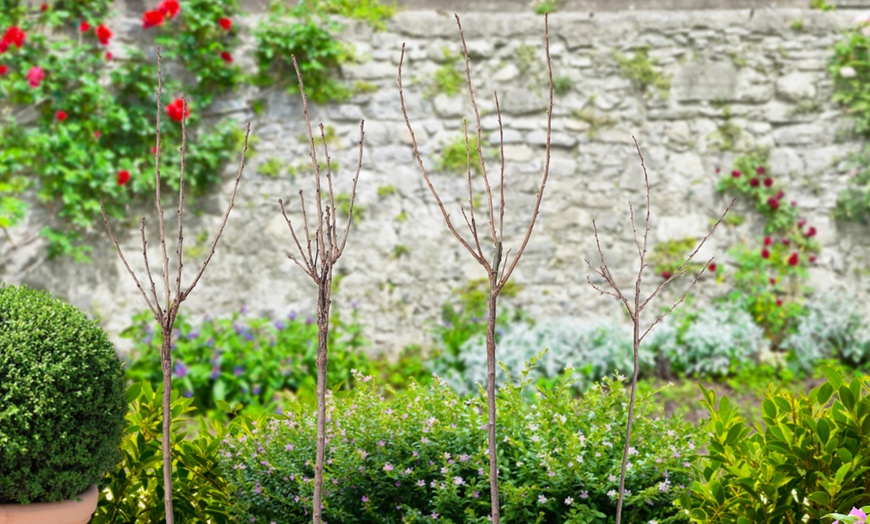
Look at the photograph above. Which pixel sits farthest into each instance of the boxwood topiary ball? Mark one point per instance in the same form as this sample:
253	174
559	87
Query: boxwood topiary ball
62	399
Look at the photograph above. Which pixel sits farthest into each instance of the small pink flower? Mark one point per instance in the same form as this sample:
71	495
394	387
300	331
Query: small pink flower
34	76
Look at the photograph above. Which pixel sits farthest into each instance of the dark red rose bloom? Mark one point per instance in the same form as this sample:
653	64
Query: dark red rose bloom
765	254
104	34
712	267
753	182
97	135
4	46
225	23
811	232
786	241
123	177
772	281
767	241
779	194
779	302
227	57
759	170
812	259
735	174
802	222
718	170
84	27
152	18
153	150
177	110
666	274
109	55
773	203
43	7
14	36
169	7
3	69
60	115
768	182
793	259
34	76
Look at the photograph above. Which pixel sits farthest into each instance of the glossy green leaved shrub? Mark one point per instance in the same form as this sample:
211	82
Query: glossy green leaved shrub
421	455
133	491
61	398
246	359
810	457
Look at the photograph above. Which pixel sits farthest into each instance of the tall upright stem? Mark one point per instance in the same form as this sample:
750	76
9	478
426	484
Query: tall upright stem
490	399
166	364
323	303
630	415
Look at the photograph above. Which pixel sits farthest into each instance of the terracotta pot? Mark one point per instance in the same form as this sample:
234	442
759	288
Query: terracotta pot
63	512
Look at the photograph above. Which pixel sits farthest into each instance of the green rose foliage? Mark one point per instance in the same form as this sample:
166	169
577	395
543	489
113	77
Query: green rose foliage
810	457
70	135
61	399
423	452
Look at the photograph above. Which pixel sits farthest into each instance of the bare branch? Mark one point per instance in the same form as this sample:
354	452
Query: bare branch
180	249
353	190
540	195
480	260
321	247
126	265
479	133
307	267
501	187
157	184
311	258
472	226
678	302
224	221
330	225
148	271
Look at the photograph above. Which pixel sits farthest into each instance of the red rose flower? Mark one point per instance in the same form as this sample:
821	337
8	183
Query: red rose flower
43	7
786	241
104	34
773	203
151	19
225	23
666	274
4	46
753	182
123	177
84	27
767	241
35	76
60	115
793	259
178	110
779	302
169	7
779	194
802	222
811	232
765	254
227	57
759	170
812	259
712	267
772	281
14	36
3	69
97	135
153	150
768	182
109	55
735	174
718	170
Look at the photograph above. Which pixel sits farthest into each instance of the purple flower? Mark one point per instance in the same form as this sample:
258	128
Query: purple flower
365	499
388	467
238	371
855	513
256	389
309	320
292	315
192	335
188	393
279	325
180	369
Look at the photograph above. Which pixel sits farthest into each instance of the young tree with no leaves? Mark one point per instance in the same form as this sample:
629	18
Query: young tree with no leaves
635	306
494	259
318	265
167	314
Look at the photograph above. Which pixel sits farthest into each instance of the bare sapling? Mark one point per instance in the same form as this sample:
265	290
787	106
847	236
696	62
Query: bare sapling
635	306
318	265
494	259
167	314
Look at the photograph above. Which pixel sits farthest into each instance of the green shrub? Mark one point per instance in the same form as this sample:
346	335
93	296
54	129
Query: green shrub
809	458
133	491
424	453
245	359
833	327
61	398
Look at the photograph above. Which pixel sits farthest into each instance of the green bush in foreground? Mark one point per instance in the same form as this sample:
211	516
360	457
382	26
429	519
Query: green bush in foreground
61	399
422	456
810	458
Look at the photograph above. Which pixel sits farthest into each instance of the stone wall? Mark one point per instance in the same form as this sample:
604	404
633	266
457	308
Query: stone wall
772	78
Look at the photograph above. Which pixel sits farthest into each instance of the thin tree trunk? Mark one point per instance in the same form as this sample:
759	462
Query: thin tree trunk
490	398
323	302
166	363
630	413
